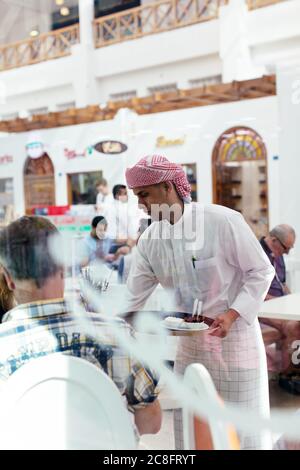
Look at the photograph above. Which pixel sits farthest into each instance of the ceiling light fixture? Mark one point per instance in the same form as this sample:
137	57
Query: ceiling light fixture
64	11
59	2
34	32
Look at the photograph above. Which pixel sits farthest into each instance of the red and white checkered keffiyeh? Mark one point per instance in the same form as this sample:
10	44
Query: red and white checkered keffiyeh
155	169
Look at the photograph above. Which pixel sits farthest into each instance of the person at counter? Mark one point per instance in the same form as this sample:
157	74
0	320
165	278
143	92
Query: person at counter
104	196
277	243
208	255
122	226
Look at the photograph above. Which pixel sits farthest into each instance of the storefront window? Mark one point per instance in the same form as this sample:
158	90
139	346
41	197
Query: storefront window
240	176
6	200
190	170
82	187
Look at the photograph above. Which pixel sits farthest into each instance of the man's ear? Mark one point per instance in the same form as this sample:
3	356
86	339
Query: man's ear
168	186
8	279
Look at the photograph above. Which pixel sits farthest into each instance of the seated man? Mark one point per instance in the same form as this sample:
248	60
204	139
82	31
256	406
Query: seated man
280	241
42	322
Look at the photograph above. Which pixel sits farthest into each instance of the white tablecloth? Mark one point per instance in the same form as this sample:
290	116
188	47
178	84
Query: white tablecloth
282	308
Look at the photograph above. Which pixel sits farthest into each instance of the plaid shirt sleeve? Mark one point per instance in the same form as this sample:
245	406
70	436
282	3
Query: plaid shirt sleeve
142	386
136	382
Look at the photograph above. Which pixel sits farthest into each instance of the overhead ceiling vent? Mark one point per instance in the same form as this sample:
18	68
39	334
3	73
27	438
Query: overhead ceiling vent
199	82
167	88
123	96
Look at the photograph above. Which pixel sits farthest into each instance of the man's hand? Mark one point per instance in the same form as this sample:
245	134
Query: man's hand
286	289
110	258
223	323
269	297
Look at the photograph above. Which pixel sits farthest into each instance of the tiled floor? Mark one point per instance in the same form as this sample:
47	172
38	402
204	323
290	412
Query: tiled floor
164	440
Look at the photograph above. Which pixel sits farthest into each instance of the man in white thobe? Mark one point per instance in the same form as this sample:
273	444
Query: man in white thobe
206	253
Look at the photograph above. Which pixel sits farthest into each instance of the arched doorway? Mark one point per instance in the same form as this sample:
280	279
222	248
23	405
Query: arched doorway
240	181
39	183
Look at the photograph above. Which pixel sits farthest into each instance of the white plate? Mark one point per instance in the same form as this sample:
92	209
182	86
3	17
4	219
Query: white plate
183	331
202	326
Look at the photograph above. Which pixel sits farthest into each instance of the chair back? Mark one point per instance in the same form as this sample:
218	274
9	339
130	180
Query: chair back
208	433
63	402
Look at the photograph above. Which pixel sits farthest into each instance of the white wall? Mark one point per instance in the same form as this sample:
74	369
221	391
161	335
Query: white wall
288	83
141	80
44	84
201	127
55	140
272	35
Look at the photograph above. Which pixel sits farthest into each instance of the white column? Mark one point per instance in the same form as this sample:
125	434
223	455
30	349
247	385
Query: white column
85	84
234	43
86	17
288	93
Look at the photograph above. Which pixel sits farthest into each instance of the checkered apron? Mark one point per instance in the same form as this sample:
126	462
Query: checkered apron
237	365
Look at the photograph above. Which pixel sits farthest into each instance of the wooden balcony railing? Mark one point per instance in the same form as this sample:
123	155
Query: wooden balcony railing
253	4
44	47
153	18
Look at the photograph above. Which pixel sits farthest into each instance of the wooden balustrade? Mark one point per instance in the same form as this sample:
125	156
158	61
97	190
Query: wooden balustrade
129	24
253	4
46	46
153	18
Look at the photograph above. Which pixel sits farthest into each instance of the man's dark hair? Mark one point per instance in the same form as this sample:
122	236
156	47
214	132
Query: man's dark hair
117	189
96	220
25	251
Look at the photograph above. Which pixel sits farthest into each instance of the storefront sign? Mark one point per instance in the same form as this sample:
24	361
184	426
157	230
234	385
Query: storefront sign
161	141
70	154
110	147
6	159
68	223
35	147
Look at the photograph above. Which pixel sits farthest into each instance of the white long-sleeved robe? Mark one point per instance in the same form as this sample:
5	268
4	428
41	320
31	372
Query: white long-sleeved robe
212	255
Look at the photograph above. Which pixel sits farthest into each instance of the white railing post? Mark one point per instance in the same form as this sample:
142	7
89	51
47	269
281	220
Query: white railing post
84	80
86	17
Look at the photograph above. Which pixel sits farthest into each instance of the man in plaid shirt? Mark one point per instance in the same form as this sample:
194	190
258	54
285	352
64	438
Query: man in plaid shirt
42	323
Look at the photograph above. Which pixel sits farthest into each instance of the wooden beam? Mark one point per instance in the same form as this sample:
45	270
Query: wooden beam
159	102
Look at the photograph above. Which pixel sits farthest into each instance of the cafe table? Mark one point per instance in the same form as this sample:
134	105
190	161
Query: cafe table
286	307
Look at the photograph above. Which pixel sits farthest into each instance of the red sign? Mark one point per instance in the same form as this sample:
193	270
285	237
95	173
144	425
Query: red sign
6	159
70	154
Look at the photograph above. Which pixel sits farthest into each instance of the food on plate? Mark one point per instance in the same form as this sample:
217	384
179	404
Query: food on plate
174	322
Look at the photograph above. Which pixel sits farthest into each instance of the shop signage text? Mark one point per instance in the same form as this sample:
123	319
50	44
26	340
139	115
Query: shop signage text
161	141
71	153
6	159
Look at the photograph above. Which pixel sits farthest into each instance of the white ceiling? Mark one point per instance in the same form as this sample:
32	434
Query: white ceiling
33	6
18	17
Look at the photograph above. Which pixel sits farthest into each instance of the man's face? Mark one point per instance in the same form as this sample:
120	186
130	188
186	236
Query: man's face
150	197
123	195
100	230
282	247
